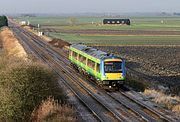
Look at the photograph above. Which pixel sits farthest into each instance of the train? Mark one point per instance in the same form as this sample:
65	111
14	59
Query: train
106	69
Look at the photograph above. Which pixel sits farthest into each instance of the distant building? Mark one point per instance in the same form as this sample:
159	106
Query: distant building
23	23
117	21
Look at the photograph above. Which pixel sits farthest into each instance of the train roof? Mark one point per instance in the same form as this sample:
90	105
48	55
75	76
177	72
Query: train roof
90	51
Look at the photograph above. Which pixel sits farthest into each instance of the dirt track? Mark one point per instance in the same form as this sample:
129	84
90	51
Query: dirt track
112	32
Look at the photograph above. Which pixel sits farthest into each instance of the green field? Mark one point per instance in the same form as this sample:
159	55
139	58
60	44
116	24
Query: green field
140	23
137	23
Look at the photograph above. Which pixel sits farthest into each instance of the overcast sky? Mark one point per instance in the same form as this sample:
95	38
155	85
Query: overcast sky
82	6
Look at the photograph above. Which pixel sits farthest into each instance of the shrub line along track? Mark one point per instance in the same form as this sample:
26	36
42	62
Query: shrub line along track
52	58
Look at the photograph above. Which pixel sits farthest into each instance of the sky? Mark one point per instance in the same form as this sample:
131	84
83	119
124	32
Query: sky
84	6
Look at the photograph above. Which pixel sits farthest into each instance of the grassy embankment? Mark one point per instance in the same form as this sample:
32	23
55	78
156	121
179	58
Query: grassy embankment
28	87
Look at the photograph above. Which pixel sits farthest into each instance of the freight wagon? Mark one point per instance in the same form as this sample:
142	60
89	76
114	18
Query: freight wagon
106	69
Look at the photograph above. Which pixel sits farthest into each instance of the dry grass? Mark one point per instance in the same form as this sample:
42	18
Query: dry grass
50	110
176	109
170	102
11	44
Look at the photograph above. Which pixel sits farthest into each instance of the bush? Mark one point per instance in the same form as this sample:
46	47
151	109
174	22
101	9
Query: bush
51	111
23	86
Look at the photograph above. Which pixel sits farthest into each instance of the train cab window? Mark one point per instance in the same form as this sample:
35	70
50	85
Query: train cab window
108	22
113	67
98	68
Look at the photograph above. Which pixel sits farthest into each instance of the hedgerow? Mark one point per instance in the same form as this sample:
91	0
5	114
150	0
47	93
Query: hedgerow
23	87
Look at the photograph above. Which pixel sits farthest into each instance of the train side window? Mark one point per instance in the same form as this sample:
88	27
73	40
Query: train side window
88	63
98	68
84	60
80	58
91	64
71	53
75	55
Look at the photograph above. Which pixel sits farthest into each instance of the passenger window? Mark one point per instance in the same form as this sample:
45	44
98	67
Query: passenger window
91	64
80	58
75	55
84	60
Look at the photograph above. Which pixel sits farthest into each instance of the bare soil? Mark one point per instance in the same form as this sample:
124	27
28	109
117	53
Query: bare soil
112	32
59	43
158	65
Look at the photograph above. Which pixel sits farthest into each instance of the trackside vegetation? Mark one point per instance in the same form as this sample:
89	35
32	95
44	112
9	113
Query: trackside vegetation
24	86
3	21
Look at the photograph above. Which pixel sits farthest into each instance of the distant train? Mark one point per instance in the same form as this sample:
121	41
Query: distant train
107	70
117	21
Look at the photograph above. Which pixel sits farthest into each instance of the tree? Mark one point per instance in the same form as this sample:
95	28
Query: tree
3	21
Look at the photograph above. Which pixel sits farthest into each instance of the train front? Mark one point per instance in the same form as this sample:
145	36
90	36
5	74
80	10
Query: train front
114	71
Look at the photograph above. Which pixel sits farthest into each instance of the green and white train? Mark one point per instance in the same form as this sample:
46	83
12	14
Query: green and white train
108	70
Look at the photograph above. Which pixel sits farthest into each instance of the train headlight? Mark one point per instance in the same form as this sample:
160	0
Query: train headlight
114	84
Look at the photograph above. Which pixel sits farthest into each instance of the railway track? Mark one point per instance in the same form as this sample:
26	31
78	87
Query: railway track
99	110
105	107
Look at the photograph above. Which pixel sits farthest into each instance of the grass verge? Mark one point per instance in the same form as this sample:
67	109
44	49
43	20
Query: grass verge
170	102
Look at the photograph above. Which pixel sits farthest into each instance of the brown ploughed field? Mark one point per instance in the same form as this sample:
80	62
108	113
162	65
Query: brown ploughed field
158	64
112	32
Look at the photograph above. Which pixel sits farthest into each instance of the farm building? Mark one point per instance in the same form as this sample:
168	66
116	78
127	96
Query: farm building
117	21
